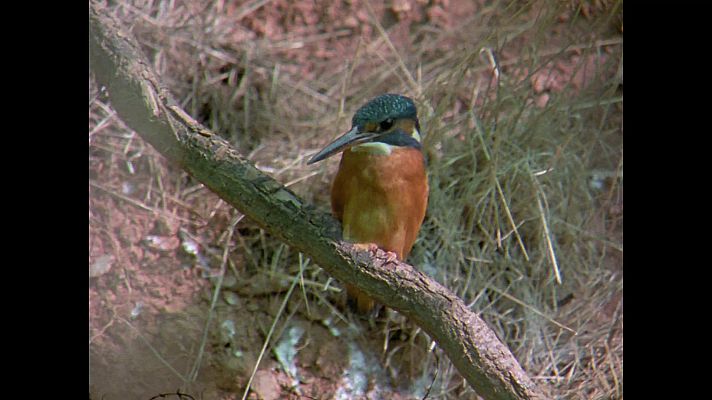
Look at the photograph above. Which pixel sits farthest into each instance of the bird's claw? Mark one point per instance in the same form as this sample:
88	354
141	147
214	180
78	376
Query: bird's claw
373	249
391	257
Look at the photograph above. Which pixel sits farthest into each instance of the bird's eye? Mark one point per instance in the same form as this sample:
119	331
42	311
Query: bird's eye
386	124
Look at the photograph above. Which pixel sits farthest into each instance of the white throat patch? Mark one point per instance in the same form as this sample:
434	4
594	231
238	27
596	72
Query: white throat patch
383	149
415	134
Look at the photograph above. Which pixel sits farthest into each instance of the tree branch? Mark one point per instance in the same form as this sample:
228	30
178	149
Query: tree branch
135	93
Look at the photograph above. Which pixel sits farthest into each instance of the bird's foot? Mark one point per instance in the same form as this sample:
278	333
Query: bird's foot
373	249
391	257
369	247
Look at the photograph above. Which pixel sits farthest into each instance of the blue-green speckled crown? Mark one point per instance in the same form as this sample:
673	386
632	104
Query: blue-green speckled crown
385	106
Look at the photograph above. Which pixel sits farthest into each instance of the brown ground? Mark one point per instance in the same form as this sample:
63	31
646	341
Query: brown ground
157	237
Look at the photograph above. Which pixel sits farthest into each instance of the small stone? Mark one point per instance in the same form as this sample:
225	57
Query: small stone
162	243
101	265
266	386
542	100
231	298
229	282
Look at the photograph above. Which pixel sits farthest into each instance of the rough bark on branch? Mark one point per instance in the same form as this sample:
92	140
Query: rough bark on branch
117	63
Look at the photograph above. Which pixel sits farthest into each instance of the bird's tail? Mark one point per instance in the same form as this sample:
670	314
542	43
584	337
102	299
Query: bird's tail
358	301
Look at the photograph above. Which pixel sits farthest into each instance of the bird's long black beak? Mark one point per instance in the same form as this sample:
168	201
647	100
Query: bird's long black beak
343	142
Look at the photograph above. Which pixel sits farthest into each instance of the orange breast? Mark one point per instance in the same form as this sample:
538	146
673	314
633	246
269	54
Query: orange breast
381	199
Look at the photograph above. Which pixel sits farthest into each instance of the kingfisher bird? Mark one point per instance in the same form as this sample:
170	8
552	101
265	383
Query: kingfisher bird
380	192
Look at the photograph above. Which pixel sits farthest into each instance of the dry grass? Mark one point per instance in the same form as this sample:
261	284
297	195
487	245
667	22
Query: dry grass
521	103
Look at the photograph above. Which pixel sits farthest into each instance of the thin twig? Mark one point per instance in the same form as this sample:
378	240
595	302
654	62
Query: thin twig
401	64
102	124
269	334
198	359
547	233
102	330
523	304
302	265
511	219
437	369
153	349
122	197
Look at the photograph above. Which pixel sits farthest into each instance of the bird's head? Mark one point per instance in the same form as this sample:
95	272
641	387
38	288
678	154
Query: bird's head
387	121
